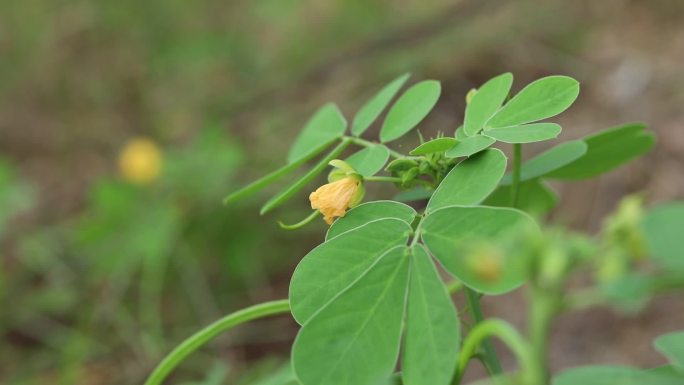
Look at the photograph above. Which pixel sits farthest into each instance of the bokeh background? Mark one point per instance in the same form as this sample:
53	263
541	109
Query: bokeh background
100	276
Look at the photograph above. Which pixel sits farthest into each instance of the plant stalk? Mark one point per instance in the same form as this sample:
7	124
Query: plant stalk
490	359
515	185
205	335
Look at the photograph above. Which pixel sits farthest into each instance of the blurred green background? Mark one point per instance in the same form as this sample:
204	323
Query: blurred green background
100	277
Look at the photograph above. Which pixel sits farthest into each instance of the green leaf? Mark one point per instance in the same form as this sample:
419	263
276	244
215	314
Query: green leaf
526	133
472	243
433	146
374	107
354	340
418	193
368	212
272	177
550	160
663	228
369	160
412	107
326	125
470	145
614	375
541	99
671	345
431	340
335	264
299	184
486	102
607	150
459	134
470	181
534	197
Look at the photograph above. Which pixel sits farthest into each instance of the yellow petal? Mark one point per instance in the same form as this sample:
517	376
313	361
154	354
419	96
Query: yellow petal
333	199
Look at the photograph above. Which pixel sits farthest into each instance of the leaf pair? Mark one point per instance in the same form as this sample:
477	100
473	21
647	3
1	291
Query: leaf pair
539	100
409	110
352	293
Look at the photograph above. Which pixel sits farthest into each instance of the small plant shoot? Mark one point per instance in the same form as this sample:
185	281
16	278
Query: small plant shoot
374	301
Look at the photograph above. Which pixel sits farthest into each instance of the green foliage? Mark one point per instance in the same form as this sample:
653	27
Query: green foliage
374	107
539	100
412	107
470	242
526	133
607	150
354	339
326	125
433	146
369	160
431	340
470	146
369	212
337	263
672	346
486	102
372	291
471	181
662	227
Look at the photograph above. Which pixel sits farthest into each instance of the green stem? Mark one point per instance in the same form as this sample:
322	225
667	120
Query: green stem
490	358
210	332
515	185
507	334
366	143
544	305
301	223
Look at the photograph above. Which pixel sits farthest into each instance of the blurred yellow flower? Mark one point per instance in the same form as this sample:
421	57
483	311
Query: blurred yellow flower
333	199
140	161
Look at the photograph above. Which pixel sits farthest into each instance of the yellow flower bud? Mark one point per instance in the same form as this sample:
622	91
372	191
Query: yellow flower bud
140	161
333	199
